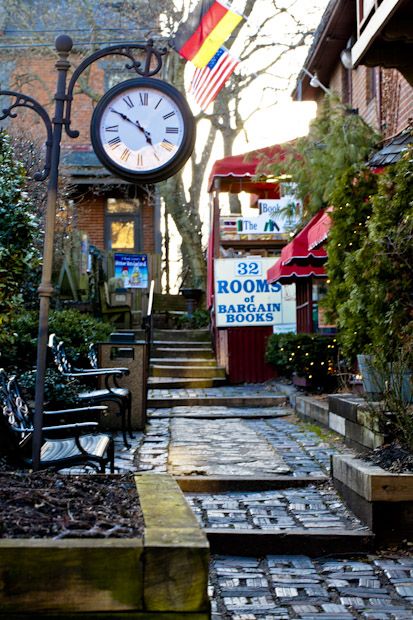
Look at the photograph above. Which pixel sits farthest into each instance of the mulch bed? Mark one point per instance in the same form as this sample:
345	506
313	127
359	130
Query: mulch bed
48	505
392	457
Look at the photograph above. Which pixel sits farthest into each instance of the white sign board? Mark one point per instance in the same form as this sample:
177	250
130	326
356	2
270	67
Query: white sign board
288	319
263	224
272	218
243	296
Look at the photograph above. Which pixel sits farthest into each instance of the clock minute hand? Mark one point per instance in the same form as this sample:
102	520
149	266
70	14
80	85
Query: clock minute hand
138	126
125	118
136	123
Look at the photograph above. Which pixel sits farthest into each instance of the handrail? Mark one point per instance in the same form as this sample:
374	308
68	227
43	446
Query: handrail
147	326
150	298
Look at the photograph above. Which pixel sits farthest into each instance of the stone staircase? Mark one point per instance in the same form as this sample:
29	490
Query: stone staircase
183	359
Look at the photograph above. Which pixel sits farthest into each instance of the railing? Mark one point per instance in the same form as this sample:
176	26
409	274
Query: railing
147	326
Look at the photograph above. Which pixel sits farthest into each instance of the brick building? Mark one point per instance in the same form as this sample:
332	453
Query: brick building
115	215
362	50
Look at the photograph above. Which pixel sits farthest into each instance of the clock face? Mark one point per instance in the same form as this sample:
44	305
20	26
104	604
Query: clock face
143	130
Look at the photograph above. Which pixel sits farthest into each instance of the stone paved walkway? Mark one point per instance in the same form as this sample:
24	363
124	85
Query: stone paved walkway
221	447
226	391
220	412
233	446
250	441
280	510
284	587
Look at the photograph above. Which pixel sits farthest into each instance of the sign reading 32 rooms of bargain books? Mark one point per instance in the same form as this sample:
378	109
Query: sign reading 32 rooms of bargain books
243	296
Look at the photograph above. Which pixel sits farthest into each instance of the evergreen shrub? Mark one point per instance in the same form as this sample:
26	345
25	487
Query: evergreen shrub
311	356
76	329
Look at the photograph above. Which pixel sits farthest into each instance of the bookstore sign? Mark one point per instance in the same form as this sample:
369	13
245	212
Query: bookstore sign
243	296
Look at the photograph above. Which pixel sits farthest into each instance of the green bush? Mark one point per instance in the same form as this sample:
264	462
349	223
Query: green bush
19	231
75	328
59	392
312	356
376	312
200	318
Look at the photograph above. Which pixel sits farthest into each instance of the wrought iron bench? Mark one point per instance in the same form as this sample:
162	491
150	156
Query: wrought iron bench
112	392
64	445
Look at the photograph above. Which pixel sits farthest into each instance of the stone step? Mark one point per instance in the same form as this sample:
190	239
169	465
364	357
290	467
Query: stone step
183	361
186	353
173	383
159	397
182	335
178	344
311	542
193	372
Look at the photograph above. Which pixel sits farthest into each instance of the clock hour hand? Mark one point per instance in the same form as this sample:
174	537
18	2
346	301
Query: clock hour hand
149	141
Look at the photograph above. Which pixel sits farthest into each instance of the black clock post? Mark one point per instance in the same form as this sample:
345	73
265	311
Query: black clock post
150	66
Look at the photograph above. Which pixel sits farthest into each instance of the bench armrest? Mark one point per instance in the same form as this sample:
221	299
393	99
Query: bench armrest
69	430
92	373
88	371
62	412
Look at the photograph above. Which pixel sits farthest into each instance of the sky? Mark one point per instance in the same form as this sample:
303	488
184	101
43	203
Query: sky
272	115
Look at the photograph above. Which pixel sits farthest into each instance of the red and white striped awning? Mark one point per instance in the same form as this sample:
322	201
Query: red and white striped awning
300	260
287	274
319	232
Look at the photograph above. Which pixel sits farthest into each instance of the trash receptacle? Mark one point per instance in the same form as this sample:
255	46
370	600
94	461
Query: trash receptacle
127	352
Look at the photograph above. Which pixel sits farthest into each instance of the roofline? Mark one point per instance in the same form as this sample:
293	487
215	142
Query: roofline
322	57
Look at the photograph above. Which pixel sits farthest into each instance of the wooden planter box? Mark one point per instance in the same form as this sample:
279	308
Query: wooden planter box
164	572
383	500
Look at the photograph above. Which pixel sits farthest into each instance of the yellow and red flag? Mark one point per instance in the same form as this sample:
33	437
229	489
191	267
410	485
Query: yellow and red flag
208	26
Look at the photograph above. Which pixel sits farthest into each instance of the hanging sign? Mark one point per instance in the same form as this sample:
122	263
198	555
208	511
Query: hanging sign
132	269
272	218
243	296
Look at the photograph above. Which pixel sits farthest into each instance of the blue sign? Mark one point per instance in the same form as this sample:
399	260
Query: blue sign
132	269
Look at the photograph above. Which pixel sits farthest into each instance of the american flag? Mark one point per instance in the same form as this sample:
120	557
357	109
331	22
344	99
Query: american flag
208	81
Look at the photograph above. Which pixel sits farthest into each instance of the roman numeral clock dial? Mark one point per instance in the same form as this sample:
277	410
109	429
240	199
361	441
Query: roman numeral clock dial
143	131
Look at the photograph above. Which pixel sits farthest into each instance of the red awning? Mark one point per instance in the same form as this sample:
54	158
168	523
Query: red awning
297	251
236	172
319	232
286	274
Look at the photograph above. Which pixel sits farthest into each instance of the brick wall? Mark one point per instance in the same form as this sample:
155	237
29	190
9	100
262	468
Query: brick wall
406	103
91	219
383	97
148	228
37	77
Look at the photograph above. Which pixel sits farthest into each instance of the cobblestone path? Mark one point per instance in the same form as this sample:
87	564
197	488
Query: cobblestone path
204	446
221	447
284	587
252	441
227	391
309	507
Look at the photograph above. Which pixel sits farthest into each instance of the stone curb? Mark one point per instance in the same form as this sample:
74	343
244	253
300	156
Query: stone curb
222	401
311	542
221	484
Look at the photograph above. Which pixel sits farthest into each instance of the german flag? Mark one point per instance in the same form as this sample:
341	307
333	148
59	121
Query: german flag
208	26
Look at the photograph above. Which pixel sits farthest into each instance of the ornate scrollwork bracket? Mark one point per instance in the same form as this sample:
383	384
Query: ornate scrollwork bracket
143	68
24	101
